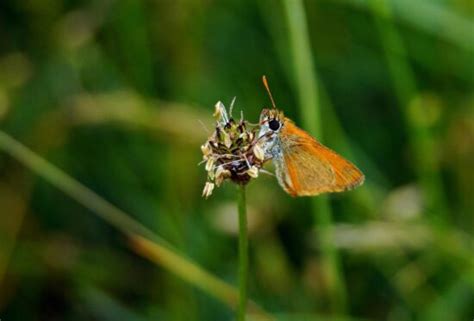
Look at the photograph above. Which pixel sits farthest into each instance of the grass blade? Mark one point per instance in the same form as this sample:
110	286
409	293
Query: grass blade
308	93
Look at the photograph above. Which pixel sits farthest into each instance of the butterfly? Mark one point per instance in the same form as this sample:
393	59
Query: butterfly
304	167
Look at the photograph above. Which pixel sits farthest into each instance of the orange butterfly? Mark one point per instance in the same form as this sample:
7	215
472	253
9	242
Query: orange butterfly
304	167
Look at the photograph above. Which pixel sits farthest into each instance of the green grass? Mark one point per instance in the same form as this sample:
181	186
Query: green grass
147	242
112	95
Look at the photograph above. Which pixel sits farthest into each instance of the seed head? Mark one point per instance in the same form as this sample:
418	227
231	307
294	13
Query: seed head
231	151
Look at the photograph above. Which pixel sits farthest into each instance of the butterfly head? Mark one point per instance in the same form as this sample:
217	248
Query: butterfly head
271	121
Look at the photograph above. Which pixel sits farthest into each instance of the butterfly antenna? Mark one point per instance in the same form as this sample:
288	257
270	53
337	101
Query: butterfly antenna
265	83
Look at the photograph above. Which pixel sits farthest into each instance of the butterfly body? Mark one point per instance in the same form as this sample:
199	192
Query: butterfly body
304	167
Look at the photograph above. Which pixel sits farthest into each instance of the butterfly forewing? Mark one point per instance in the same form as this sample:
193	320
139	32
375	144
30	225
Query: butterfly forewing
308	168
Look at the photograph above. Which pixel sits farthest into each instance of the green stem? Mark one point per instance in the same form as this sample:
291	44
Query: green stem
243	254
307	86
404	81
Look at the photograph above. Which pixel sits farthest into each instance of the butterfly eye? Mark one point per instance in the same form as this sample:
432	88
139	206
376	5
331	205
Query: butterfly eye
274	124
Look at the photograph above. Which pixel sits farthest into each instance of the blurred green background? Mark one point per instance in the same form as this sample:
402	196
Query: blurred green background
111	92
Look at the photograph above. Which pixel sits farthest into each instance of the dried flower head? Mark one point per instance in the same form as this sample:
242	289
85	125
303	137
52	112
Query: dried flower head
231	151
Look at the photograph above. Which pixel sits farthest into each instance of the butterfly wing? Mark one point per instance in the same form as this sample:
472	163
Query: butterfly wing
307	168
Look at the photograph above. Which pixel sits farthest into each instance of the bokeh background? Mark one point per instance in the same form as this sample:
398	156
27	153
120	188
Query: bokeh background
111	92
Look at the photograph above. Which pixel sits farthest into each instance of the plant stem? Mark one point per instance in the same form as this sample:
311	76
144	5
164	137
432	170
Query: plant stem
243	254
420	136
306	81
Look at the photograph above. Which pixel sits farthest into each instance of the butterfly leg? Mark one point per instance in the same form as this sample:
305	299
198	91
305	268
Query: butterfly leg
264	171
